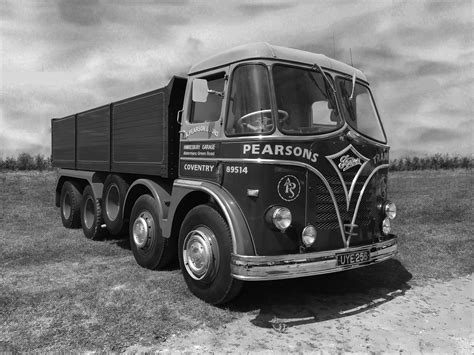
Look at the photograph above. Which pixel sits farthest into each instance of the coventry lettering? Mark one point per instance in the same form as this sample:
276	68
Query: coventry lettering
199	167
279	150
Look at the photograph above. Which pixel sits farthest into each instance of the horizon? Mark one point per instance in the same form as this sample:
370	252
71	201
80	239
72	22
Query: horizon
62	57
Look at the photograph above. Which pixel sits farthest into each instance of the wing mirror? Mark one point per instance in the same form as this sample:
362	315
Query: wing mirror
200	90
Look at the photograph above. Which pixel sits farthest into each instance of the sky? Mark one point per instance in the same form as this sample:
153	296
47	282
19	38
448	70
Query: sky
60	57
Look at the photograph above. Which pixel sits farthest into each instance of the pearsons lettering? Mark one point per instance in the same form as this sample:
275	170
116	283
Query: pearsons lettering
279	150
199	167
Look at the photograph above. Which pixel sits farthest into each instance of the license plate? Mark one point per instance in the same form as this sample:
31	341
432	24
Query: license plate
355	257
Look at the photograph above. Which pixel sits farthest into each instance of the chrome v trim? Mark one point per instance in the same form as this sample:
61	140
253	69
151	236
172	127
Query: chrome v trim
356	177
286	162
341	178
356	210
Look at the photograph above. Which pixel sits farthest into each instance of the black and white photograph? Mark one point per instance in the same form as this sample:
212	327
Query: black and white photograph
240	176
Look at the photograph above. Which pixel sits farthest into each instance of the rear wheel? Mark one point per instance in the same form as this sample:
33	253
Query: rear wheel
113	198
91	215
70	205
150	249
205	247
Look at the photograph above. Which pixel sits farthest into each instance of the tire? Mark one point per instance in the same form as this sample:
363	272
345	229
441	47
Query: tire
205	247
113	198
70	205
91	215
150	249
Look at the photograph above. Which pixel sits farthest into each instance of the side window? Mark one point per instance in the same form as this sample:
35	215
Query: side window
360	112
250	110
210	110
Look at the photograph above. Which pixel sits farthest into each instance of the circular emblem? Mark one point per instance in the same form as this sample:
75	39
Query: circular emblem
289	188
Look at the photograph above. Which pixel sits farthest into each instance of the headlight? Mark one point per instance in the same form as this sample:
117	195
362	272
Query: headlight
390	209
280	217
386	228
309	235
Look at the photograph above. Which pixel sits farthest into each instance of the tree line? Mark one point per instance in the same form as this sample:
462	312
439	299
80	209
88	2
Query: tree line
432	162
26	161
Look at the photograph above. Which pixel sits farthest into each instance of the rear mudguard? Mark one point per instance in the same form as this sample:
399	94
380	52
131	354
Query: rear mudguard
94	179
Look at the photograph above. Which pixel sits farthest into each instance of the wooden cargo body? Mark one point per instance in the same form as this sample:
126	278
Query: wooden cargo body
137	135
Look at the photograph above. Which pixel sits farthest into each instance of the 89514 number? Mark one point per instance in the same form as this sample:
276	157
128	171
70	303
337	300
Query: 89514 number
236	169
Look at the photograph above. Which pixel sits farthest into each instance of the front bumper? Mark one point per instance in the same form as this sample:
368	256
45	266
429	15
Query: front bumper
257	268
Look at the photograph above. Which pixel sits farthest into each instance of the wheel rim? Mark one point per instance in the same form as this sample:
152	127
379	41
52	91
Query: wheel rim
112	202
143	229
200	253
89	212
67	206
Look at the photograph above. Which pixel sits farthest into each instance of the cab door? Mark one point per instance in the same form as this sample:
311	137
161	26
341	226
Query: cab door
201	129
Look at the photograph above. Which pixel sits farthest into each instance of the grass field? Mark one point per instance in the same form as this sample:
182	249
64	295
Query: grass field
60	291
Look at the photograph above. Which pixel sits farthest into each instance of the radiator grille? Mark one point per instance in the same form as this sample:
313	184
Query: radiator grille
323	214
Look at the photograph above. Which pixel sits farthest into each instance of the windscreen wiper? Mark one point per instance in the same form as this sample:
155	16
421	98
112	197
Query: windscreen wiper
333	101
316	66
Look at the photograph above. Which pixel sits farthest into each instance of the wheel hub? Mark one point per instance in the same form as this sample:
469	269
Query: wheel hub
67	206
112	203
89	212
140	232
200	253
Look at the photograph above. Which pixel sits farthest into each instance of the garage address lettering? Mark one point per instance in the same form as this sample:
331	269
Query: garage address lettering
199	150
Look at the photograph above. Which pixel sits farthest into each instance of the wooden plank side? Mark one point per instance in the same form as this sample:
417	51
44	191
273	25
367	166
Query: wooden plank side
93	139
63	131
140	135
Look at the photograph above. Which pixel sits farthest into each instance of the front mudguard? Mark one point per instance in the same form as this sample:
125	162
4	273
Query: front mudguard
241	237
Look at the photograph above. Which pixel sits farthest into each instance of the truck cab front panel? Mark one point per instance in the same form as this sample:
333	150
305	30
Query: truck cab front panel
292	137
338	202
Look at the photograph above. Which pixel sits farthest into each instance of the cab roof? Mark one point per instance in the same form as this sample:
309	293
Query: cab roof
262	50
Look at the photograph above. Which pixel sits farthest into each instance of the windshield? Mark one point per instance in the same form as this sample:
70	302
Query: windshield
360	112
249	110
305	101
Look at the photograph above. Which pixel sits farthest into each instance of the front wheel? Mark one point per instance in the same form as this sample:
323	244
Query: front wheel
205	247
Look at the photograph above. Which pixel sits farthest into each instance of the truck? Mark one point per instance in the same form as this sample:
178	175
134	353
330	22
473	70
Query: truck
264	163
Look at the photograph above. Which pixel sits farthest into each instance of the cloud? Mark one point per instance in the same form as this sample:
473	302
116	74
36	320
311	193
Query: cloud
256	9
434	140
422	67
81	12
436	135
59	57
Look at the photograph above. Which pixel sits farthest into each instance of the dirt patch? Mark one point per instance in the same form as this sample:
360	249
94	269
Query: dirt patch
428	318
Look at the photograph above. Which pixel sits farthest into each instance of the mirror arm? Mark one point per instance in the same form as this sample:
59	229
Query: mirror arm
218	93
